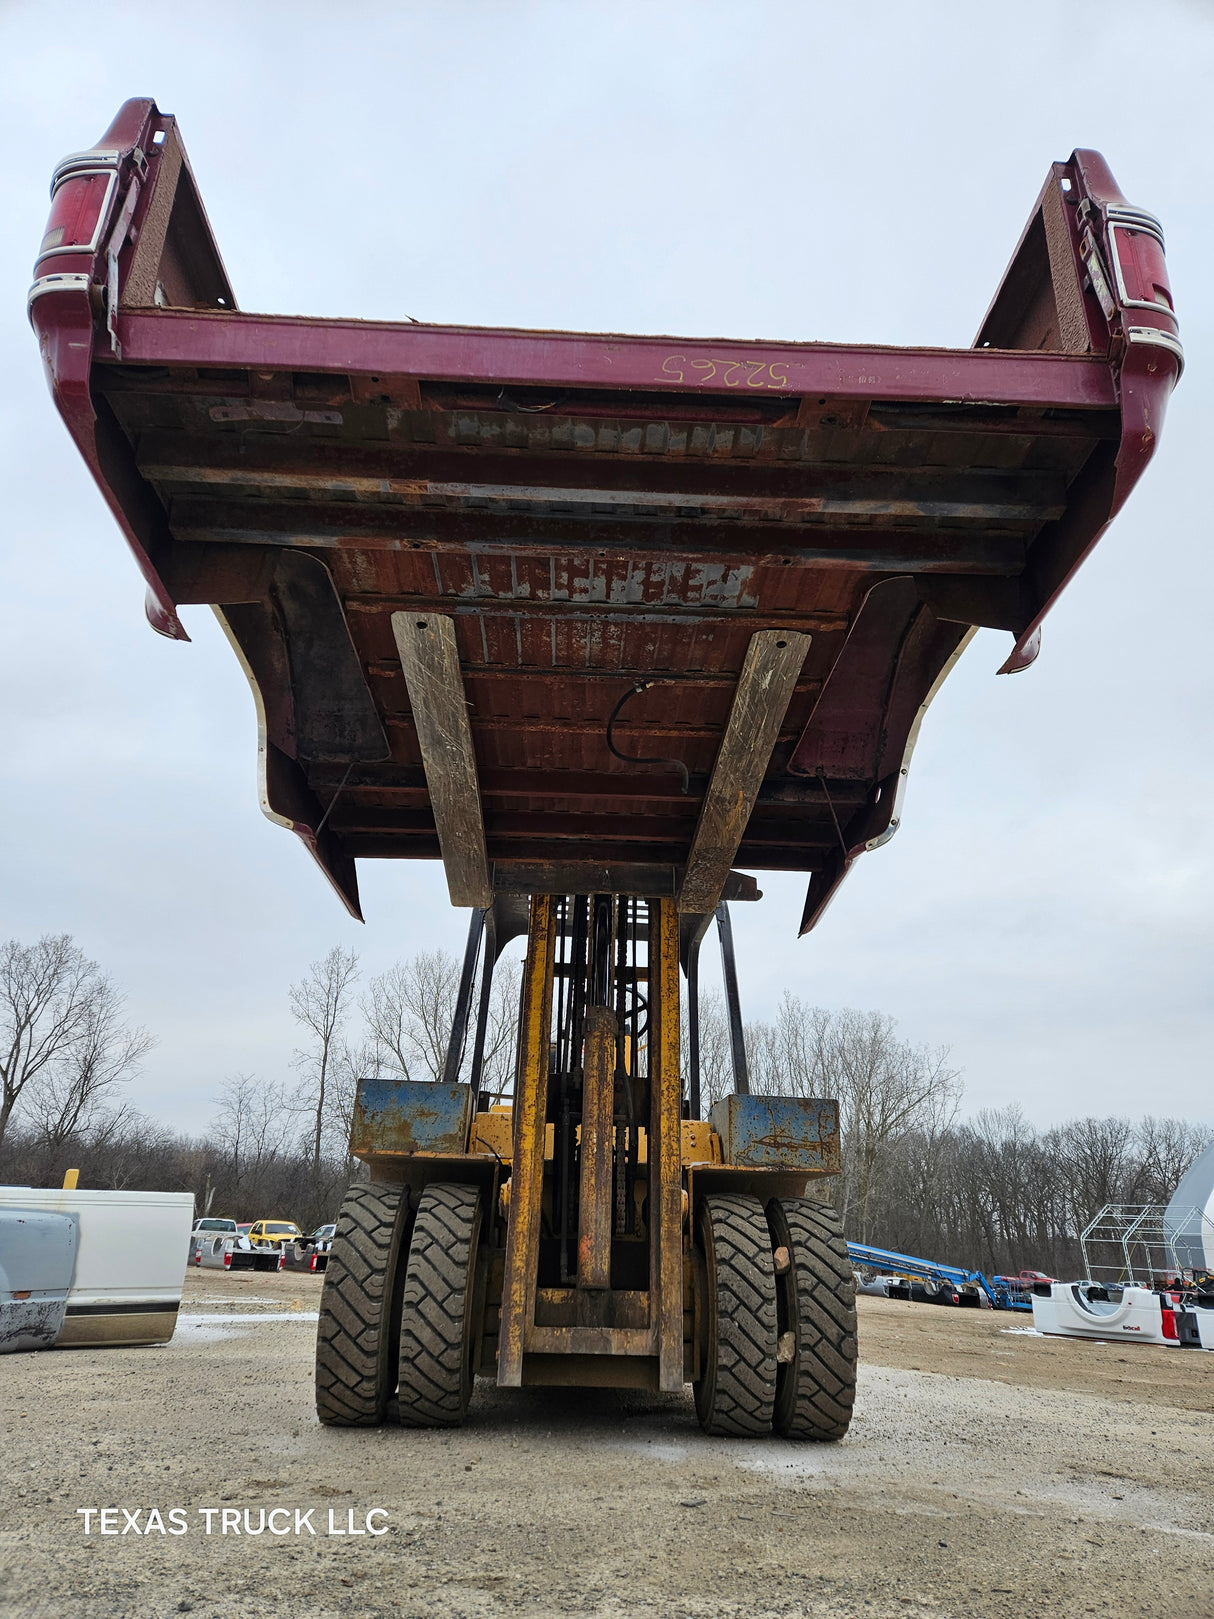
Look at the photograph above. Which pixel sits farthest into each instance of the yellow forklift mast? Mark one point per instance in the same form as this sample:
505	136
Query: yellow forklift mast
595	1231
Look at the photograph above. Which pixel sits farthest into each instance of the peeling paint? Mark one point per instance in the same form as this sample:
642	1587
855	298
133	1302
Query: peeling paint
794	1132
409	1116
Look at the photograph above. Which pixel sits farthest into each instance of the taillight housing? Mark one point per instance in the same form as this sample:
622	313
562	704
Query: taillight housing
81	192
1139	267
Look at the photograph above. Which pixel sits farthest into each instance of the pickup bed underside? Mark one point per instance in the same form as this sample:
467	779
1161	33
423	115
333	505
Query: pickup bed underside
596	514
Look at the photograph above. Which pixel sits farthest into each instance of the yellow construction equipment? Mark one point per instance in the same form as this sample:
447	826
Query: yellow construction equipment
597	1232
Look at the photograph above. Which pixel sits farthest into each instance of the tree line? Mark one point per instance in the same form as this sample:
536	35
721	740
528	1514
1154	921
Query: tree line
990	1192
272	1148
996	1194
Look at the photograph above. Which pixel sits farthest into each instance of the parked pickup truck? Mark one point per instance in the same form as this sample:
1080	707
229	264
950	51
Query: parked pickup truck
205	1230
274	1233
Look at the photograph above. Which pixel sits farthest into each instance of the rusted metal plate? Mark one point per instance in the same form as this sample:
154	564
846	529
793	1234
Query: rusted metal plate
699	1143
778	1132
410	1116
595	1341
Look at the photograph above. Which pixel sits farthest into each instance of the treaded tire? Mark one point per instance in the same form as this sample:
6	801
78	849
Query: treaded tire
737	1390
356	1336
437	1341
816	1389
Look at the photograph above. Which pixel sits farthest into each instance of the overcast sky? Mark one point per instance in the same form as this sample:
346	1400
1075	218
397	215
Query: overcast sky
799	171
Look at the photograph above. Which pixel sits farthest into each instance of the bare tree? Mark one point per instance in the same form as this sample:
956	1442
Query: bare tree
501	1032
1099	1154
409	1011
72	1094
252	1126
60	1032
886	1089
716	1057
1166	1149
353	1061
133	1151
320	1002
793	1056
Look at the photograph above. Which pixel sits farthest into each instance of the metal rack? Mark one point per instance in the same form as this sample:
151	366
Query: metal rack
1136	1243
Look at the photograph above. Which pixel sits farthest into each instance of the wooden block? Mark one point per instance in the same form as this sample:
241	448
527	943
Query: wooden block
430	660
769	674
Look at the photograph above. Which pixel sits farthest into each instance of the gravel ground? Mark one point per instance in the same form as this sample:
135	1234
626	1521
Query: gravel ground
988	1472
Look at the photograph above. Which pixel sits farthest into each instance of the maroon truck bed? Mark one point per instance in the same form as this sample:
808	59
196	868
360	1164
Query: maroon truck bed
581	515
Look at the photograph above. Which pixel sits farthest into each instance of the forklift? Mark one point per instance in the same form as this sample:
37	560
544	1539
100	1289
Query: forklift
595	1232
604	623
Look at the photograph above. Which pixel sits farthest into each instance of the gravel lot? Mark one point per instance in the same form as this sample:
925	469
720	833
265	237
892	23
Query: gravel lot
988	1472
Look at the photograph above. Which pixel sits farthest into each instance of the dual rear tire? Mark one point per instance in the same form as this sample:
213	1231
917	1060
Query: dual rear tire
396	1335
778	1346
437	1343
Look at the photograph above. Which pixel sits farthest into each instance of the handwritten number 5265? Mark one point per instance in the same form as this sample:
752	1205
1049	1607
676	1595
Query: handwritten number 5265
725	373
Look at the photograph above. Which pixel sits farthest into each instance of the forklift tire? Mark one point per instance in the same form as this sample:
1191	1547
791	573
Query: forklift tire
737	1391
356	1337
816	1386
437	1336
